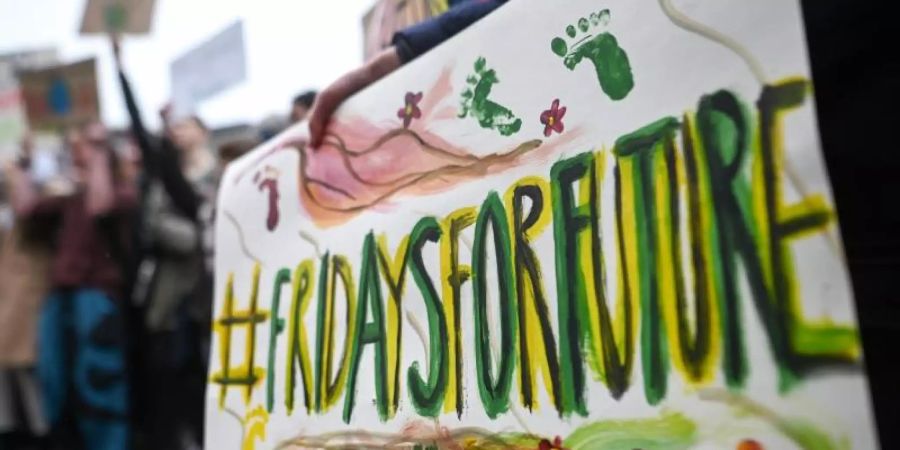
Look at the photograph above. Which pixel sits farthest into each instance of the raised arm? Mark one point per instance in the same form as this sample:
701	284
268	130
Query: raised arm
103	195
23	197
160	156
182	193
143	139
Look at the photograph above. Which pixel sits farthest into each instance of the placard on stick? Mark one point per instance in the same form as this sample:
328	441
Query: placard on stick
61	95
117	16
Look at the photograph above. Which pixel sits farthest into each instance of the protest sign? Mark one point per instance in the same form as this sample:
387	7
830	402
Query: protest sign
60	96
117	16
12	121
29	59
12	109
571	226
389	16
209	69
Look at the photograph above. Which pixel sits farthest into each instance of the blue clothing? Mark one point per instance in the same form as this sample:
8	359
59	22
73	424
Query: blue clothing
81	366
412	42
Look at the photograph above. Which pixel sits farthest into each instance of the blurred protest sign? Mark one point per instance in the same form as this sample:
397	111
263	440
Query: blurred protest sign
117	16
12	121
61	95
12	109
389	16
29	59
209	69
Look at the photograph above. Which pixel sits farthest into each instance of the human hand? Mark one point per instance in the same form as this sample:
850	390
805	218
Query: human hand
27	145
10	169
344	87
58	187
165	113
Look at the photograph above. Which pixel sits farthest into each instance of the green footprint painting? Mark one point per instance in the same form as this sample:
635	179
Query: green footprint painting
600	48
475	102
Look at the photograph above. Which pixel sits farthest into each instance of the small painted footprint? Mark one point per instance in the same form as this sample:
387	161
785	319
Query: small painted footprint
602	49
267	180
475	102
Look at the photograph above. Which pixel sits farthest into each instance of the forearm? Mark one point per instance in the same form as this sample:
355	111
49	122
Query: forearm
137	124
142	138
98	185
375	69
382	64
182	193
22	195
331	98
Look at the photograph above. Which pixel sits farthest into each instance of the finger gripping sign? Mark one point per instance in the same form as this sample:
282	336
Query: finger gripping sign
582	225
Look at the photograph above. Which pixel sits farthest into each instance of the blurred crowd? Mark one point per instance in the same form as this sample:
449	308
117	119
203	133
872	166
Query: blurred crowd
106	265
106	281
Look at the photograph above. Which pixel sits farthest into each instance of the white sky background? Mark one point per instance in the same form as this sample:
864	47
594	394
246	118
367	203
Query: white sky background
291	45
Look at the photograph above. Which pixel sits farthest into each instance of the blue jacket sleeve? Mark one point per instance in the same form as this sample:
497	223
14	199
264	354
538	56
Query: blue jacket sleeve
422	37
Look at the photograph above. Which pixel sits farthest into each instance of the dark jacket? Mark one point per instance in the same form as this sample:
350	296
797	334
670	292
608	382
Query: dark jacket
168	268
422	37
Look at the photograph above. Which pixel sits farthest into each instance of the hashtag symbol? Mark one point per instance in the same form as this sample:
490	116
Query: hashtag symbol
246	375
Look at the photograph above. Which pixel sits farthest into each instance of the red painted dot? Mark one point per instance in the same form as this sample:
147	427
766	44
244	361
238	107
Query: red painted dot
749	444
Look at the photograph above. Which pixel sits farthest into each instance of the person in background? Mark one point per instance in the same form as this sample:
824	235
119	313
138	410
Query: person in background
407	45
231	151
300	106
130	161
270	127
43	163
206	213
24	273
191	138
81	361
172	311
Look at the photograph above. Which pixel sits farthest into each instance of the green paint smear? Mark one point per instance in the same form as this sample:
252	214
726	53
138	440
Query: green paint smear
808	437
671	431
824	339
